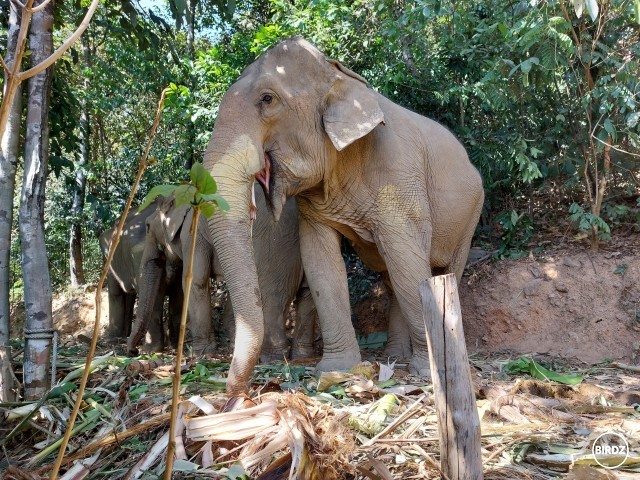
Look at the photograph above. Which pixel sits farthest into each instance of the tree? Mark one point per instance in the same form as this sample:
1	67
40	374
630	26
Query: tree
35	270
8	163
76	265
10	117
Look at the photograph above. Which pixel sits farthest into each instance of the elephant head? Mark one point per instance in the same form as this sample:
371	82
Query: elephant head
282	124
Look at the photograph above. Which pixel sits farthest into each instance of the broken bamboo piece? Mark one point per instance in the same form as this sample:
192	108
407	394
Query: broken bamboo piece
458	422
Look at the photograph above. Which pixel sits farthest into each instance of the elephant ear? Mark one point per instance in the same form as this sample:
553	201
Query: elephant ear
172	216
351	110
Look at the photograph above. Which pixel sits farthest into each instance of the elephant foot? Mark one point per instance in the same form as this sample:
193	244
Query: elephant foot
274	354
420	366
204	347
305	351
399	349
111	340
343	361
152	347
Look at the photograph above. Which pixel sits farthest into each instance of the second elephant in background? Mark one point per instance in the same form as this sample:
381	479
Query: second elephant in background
277	255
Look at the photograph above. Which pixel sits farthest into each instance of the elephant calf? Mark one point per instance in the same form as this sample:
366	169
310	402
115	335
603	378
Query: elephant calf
277	253
123	281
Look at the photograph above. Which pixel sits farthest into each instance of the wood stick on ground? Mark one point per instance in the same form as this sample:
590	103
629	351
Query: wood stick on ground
151	424
624	366
96	325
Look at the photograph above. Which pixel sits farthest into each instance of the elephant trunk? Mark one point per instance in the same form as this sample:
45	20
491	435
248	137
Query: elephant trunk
233	164
150	282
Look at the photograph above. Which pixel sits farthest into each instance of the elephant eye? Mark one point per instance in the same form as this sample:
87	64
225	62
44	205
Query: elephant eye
267	98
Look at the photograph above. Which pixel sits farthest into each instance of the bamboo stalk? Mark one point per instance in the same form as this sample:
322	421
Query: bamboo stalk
175	400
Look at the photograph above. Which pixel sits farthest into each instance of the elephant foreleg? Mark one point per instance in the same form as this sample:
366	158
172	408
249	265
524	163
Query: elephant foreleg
227	322
176	296
154	340
305	321
327	278
129	307
275	345
117	311
202	337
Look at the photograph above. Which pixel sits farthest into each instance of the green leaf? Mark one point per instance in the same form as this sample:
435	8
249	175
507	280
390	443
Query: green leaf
164	190
531	367
207	209
236	472
202	179
184	195
620	269
61	389
217	199
608	126
592	8
528	63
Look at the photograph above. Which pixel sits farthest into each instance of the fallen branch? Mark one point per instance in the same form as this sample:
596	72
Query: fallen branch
624	366
118	438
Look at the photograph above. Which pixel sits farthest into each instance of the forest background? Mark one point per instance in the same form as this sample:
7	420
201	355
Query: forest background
543	94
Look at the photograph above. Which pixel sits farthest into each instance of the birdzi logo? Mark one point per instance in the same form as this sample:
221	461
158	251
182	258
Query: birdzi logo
610	450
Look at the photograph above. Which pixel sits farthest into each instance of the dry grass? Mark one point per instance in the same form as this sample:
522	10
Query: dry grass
295	425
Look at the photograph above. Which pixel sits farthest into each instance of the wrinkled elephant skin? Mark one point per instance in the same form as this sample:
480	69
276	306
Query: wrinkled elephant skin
398	185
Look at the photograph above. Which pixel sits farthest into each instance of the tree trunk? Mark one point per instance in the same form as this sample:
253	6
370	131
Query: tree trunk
8	161
76	267
35	268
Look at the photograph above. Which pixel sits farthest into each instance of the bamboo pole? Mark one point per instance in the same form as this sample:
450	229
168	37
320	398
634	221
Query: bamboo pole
175	400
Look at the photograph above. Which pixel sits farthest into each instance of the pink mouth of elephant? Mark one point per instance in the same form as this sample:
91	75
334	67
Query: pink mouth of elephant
263	176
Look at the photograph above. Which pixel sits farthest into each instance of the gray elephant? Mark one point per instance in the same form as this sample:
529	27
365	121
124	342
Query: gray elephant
123	281
398	185
277	253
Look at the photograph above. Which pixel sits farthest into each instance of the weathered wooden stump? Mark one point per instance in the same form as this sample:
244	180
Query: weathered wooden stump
458	422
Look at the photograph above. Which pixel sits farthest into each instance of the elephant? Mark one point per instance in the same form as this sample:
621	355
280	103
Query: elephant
280	272
123	281
398	185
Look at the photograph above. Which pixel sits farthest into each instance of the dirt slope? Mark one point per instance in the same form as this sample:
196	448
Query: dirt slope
571	305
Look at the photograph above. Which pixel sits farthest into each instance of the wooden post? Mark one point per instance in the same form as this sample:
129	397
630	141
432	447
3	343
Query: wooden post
458	422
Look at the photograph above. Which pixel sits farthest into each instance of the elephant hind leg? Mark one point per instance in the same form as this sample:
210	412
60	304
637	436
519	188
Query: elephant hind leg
399	337
304	329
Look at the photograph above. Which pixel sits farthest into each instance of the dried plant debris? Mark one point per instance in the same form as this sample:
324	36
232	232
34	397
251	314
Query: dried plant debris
539	421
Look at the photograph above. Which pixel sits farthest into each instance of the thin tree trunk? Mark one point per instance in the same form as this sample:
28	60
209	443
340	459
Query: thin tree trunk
191	128
8	162
76	267
35	268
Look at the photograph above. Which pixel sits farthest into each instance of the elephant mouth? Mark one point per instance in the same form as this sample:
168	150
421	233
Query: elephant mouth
264	175
270	181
